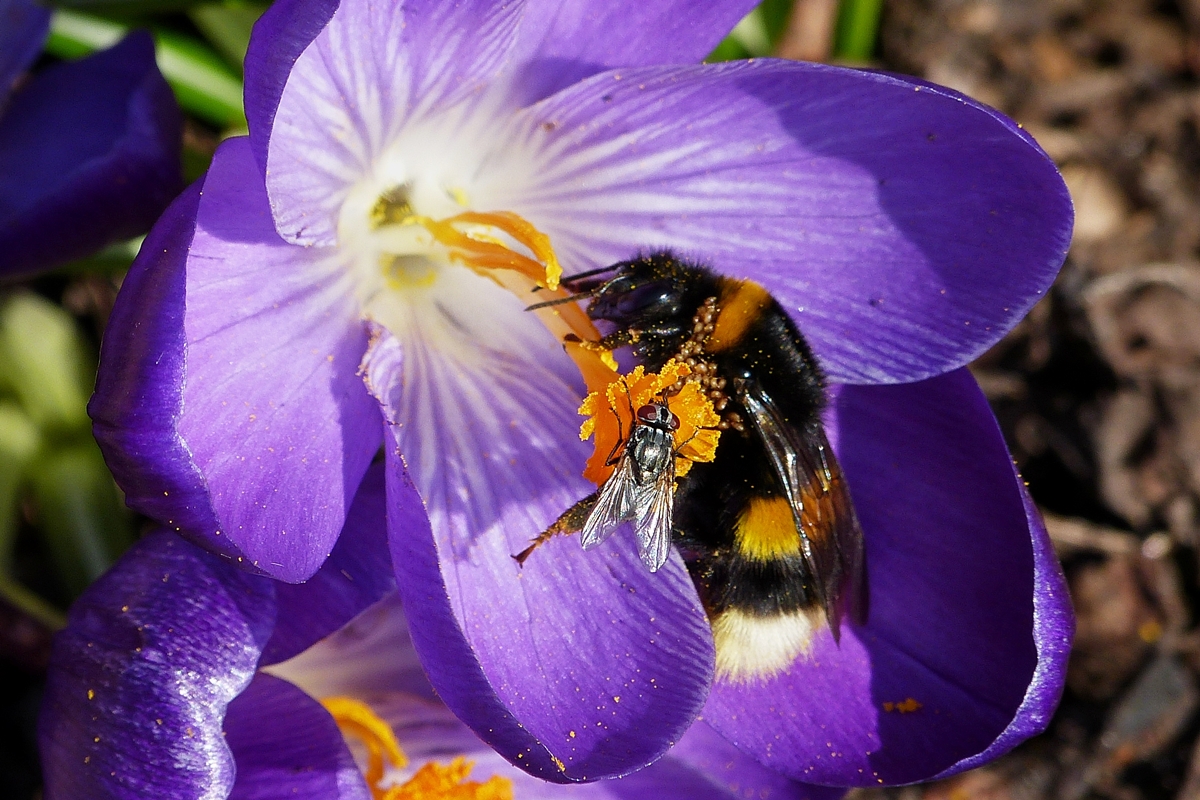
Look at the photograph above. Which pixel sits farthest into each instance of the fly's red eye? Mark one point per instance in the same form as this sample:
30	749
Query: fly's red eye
647	413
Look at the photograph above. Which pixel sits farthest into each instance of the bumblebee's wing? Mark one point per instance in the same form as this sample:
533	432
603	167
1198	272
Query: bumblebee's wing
616	504
655	507
830	537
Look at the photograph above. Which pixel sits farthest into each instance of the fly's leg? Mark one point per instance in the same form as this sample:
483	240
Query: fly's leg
622	442
570	521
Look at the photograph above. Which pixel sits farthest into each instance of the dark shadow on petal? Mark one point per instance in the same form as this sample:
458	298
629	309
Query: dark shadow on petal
972	192
287	746
357	574
22	34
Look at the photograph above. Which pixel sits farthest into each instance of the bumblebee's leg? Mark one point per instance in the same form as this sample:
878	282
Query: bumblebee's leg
570	521
607	343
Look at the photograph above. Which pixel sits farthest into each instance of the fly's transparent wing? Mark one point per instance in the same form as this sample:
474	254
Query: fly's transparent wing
616	504
655	511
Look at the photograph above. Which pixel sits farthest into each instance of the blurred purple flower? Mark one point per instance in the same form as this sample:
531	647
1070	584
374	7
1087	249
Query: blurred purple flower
905	226
89	149
175	678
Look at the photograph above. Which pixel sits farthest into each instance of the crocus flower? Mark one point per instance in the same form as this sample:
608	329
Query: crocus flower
89	150
181	676
355	272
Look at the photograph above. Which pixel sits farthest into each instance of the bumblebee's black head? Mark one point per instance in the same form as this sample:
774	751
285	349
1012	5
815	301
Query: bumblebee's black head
657	296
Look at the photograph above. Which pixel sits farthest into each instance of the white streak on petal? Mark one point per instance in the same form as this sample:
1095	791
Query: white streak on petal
482	400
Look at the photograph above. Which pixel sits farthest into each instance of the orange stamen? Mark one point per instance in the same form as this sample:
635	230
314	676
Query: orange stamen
356	717
481	251
432	781
598	368
435	781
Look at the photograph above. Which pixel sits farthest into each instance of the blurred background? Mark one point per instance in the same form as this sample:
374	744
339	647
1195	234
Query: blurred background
1098	390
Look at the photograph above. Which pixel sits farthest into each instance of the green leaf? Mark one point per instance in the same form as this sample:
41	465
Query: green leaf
775	16
227	27
756	34
112	260
728	50
17	595
19	442
857	30
79	512
124	8
203	83
47	364
75	35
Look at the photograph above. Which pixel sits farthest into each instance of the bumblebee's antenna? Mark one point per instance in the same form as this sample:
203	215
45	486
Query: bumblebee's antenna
588	274
579	276
558	301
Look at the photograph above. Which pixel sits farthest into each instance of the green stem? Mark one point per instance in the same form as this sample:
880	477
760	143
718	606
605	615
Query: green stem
19	597
857	29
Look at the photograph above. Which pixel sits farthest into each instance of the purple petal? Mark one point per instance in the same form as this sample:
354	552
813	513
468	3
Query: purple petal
286	746
277	40
705	750
955	568
89	155
139	680
357	574
374	70
260	435
905	227
1053	631
23	29
562	43
713	770
427	731
139	384
581	665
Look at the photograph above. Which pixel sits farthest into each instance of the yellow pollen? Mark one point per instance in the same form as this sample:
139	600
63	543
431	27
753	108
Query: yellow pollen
436	781
609	413
432	781
906	706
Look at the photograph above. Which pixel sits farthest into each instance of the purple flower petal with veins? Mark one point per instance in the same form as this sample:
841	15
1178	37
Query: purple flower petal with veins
356	272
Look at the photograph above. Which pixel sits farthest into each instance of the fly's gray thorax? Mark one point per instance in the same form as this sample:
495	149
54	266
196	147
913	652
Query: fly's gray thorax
651	450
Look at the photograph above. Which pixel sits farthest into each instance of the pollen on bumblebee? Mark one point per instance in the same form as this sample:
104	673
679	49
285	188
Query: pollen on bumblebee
610	415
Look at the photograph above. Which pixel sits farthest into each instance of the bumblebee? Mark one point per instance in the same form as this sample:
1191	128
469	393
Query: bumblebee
767	528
